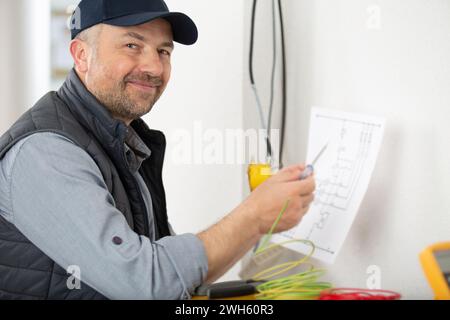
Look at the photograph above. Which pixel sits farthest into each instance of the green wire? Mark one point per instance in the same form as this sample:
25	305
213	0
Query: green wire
272	229
301	286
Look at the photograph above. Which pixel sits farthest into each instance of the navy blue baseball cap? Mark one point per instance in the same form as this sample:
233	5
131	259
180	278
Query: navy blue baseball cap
132	13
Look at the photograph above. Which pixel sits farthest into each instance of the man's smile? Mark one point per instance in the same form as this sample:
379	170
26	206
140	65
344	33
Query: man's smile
143	86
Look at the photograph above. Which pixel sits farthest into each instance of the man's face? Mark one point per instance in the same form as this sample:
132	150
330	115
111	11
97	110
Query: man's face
129	67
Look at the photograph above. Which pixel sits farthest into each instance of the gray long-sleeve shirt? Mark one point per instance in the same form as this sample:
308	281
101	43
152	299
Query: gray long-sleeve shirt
54	193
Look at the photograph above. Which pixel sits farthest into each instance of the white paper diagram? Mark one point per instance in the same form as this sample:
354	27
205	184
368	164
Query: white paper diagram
342	177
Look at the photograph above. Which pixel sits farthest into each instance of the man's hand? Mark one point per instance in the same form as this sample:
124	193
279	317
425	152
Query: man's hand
269	198
227	241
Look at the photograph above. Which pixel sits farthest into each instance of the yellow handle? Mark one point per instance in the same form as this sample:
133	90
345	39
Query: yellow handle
258	173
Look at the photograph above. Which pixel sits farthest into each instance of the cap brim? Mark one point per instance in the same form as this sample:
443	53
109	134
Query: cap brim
183	28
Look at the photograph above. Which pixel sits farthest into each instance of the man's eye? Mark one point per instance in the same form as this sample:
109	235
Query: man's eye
164	52
132	46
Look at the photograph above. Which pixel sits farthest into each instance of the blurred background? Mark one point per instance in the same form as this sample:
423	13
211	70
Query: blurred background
388	58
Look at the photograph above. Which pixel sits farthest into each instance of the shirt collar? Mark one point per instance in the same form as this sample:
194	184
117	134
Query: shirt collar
136	151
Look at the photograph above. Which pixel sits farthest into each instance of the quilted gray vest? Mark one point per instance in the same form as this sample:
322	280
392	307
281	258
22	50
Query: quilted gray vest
25	271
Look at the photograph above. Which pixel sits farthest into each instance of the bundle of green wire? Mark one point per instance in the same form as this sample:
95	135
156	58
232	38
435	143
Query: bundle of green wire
304	285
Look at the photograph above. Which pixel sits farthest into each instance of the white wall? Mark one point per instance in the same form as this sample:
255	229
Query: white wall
24	56
7	113
400	71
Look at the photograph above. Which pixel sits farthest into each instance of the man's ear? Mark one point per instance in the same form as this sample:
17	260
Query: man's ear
79	52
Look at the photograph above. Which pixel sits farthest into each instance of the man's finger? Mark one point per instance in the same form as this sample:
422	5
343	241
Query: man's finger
307	200
303	187
290	173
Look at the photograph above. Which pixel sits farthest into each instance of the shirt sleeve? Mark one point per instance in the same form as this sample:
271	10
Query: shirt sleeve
61	204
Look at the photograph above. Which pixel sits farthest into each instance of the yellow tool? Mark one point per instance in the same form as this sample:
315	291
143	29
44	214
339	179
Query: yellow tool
435	262
258	173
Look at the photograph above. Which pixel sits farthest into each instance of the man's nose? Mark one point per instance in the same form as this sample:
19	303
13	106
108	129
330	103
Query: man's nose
151	63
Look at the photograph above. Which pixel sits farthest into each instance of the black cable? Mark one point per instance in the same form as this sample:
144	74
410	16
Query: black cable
252	40
284	89
274	65
252	78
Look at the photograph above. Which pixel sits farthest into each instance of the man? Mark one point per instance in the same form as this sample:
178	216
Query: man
80	175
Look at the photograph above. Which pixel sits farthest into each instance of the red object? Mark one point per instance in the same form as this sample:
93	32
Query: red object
358	294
